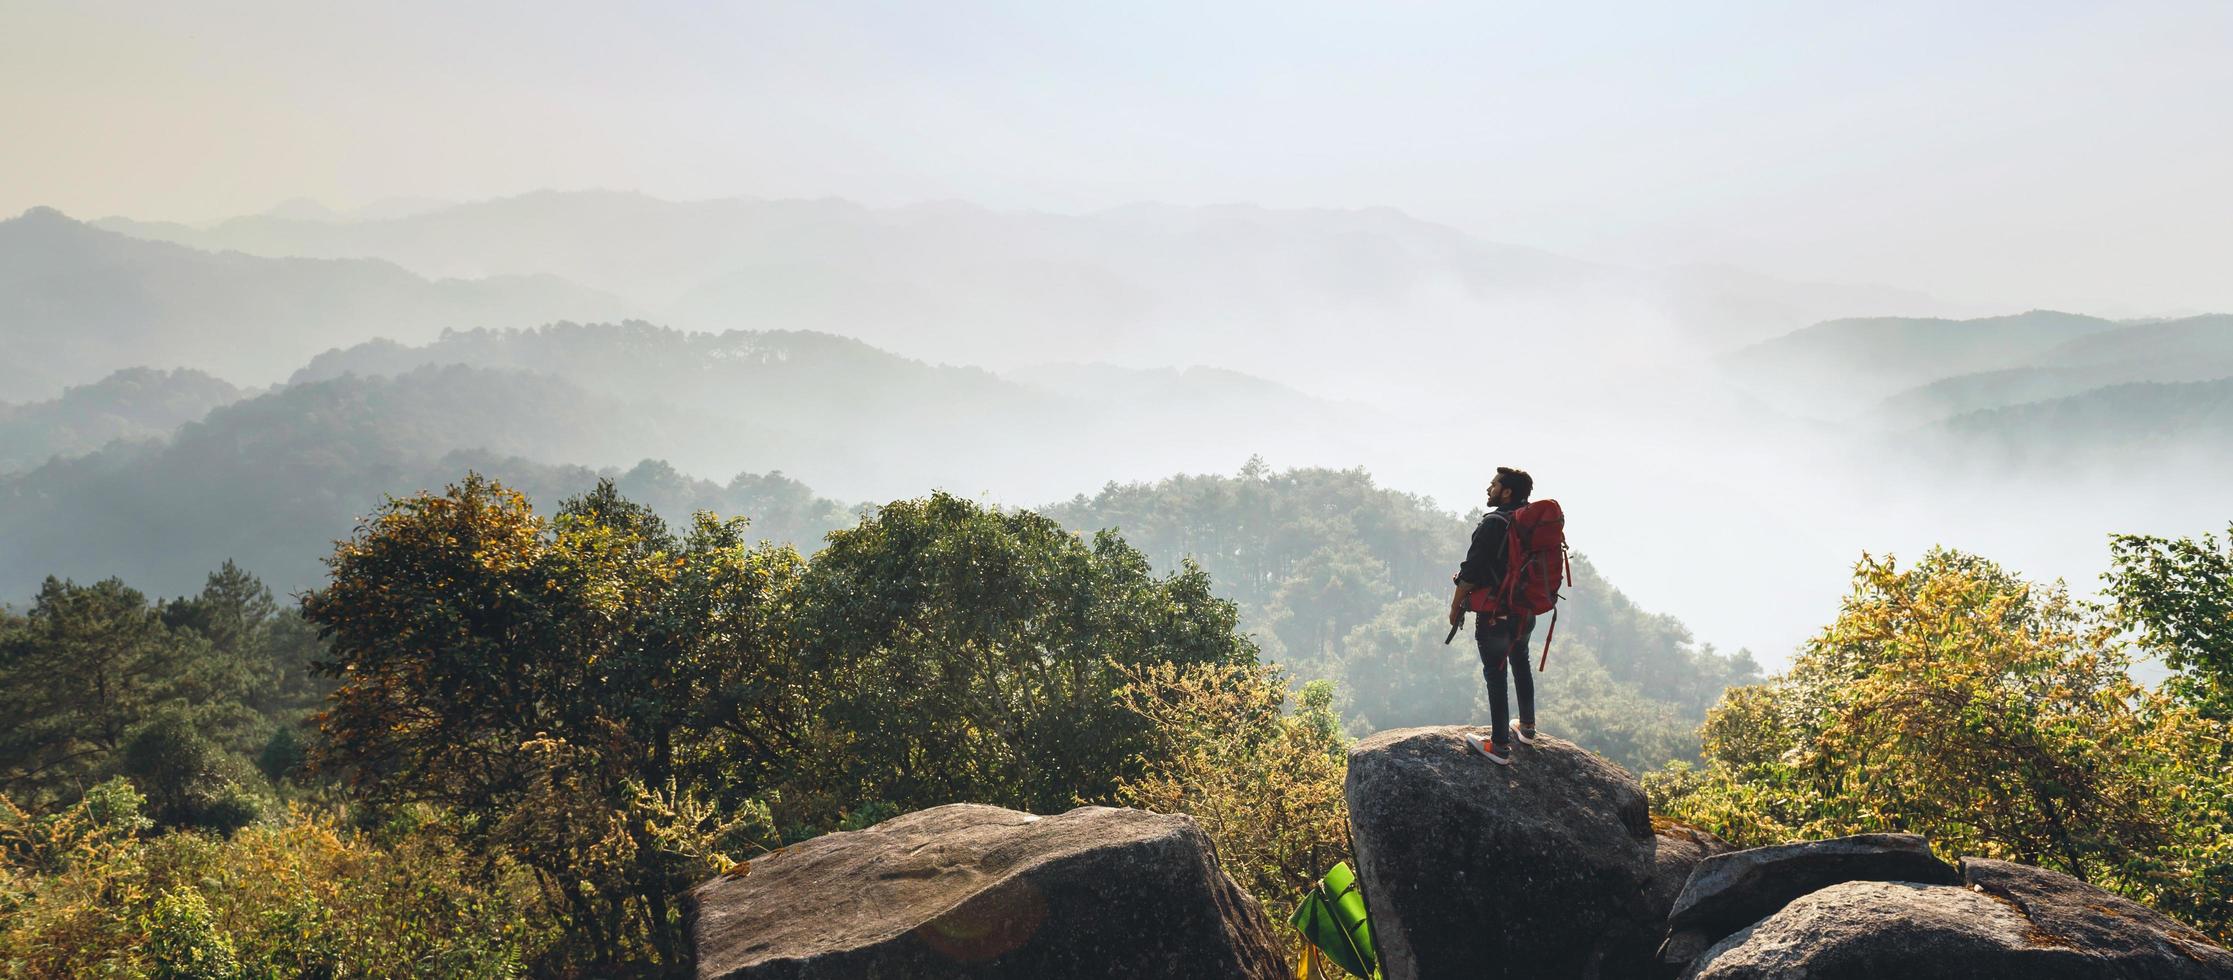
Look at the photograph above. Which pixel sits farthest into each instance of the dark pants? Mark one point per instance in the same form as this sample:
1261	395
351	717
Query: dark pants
1505	642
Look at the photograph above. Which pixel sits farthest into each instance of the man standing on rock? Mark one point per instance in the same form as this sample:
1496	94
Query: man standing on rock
1503	640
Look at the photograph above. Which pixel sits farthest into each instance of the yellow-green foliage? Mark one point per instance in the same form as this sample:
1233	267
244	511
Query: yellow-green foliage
1994	715
82	893
1265	784
184	941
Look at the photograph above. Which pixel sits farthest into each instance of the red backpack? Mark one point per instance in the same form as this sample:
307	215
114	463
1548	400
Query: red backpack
1534	560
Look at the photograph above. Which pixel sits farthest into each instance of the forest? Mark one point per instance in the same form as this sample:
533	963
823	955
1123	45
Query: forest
500	740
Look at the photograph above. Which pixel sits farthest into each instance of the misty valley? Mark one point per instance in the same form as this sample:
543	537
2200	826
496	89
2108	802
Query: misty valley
593	584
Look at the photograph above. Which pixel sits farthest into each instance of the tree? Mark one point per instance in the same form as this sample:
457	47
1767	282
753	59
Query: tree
2176	596
1266	785
188	780
1956	700
969	654
81	670
1330	592
532	671
1396	672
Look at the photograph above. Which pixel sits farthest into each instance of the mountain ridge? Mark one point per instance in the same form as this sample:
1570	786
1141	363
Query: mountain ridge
91	301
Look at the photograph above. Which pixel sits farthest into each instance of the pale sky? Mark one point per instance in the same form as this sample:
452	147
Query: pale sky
2075	155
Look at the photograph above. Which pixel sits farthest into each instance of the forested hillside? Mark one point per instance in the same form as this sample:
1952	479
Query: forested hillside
2006	399
272	480
135	404
538	727
860	422
1344	580
1836	368
2116	428
543	725
2190	349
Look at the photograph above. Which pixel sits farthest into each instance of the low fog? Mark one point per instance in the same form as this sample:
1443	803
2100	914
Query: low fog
1727	446
1751	292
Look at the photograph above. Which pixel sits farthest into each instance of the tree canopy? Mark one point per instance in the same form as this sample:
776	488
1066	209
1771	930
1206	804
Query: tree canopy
1954	699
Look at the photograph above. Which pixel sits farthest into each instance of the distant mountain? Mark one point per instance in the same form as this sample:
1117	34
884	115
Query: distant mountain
305	209
2158	347
273	480
132	404
865	423
1840	368
1278	293
1731	308
2189	349
79	302
2138	429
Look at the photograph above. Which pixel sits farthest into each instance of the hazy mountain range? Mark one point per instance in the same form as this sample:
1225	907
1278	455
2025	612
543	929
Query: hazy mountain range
132	404
860	422
273	480
278	475
874	353
2030	386
1279	293
77	303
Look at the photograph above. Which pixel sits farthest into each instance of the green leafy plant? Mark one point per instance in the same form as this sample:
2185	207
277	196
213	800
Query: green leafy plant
1331	918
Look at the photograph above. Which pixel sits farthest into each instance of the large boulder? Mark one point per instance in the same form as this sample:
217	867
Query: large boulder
1677	850
1727	892
1470	869
1676	854
2125	938
1870	930
982	892
2012	921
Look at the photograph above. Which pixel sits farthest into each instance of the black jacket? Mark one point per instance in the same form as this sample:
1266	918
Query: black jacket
1485	558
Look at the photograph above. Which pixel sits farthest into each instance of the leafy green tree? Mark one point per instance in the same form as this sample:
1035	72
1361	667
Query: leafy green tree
528	671
86	665
1264	782
1956	700
185	942
1397	673
189	781
88	893
963	653
2176	595
230	611
1330	592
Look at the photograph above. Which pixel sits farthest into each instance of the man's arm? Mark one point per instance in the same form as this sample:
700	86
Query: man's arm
1474	572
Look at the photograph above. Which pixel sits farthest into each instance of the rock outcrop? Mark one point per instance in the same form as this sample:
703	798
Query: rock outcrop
1897	929
1727	892
1540	869
2011	920
983	892
2125	938
1678	850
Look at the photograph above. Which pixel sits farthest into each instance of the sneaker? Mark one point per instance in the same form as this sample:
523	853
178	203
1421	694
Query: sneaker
1497	753
1525	733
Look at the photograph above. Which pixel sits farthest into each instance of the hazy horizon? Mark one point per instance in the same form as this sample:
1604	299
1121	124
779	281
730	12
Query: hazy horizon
2055	155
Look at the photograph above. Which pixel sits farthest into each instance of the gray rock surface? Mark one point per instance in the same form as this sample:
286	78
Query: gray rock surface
983	892
1727	892
1678	851
1871	930
1540	869
2127	940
